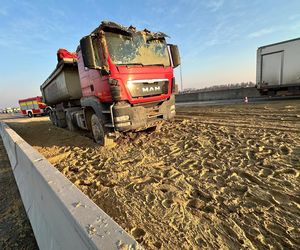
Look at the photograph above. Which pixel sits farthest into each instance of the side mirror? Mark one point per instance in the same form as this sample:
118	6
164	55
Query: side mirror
88	53
175	55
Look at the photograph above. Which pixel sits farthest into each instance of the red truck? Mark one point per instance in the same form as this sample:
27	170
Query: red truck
32	106
120	79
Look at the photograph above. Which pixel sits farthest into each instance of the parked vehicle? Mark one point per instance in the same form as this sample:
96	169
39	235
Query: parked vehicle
33	106
278	68
16	110
8	110
119	80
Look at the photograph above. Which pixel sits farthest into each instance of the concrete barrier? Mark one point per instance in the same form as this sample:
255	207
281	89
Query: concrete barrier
223	94
61	216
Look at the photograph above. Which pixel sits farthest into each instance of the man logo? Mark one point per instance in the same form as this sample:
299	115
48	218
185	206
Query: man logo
150	89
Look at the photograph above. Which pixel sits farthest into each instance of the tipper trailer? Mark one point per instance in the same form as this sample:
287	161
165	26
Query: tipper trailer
119	80
278	68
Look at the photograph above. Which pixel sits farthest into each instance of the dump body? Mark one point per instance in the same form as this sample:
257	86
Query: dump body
63	84
278	68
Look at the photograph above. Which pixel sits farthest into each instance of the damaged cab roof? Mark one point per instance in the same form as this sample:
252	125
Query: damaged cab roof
118	28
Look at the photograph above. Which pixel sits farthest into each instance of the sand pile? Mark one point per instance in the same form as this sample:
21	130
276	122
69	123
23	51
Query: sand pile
217	177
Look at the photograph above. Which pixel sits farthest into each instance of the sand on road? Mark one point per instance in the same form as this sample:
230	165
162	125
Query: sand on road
217	177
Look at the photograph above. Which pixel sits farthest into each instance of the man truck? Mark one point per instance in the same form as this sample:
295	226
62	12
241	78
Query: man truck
120	79
278	68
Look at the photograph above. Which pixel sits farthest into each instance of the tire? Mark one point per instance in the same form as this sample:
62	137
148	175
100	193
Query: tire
29	114
61	123
53	118
99	132
60	119
70	124
271	93
47	112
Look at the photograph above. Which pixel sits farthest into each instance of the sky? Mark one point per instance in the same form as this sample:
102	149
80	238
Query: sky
217	39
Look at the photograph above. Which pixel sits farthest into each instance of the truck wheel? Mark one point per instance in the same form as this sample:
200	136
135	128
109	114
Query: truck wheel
70	124
30	115
61	123
60	119
99	132
271	93
47	112
53	118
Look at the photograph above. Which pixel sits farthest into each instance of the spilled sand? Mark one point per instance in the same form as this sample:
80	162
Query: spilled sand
217	177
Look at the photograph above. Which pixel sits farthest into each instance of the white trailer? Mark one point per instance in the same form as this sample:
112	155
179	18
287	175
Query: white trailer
278	68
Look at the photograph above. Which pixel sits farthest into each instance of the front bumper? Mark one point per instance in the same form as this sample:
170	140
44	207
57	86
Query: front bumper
128	117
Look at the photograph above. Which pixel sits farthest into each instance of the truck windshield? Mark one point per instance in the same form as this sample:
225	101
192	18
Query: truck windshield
137	49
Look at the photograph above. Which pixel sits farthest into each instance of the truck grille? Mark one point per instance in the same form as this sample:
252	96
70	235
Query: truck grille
148	87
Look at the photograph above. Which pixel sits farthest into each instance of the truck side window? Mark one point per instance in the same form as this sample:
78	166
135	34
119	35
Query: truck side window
98	51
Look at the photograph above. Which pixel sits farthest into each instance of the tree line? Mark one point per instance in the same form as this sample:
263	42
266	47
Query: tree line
220	87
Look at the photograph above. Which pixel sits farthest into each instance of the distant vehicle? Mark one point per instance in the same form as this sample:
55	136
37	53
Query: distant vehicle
278	68
8	110
120	79
16	110
33	106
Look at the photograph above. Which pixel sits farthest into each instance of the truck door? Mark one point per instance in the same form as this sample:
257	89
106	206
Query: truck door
272	65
